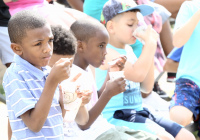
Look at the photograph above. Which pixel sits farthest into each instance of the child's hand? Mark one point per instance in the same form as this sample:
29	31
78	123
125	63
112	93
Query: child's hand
61	70
61	92
118	63
115	87
149	35
85	95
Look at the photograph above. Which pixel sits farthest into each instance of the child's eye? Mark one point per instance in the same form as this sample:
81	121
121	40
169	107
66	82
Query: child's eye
101	46
130	25
38	44
50	40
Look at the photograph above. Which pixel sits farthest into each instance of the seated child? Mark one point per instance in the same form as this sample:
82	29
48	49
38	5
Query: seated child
121	21
31	89
186	95
92	39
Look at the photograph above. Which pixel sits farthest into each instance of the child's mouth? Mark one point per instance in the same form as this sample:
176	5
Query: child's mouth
102	62
47	57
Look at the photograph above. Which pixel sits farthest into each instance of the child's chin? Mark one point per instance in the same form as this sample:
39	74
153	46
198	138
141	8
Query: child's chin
45	64
97	65
132	42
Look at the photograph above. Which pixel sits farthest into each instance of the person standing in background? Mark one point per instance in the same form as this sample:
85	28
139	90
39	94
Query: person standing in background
6	53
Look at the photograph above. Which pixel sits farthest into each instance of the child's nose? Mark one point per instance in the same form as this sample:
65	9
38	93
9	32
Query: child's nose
47	48
105	52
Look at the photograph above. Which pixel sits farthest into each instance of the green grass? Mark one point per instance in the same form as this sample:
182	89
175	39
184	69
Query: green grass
2	90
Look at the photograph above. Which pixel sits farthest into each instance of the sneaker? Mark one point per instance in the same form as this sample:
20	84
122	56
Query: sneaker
160	92
171	77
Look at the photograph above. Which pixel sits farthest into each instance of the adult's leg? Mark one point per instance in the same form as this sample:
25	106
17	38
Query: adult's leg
166	38
172	6
170	65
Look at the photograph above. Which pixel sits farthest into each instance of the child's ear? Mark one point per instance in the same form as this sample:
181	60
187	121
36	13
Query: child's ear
80	46
110	26
16	48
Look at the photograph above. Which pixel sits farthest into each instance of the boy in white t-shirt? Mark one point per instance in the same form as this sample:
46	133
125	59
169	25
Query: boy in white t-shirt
92	39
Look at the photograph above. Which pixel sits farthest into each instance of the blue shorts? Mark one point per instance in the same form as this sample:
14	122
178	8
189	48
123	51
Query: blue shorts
175	54
145	116
187	94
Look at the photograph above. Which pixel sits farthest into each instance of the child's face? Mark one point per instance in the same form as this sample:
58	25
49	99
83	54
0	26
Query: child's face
37	46
124	27
96	48
56	57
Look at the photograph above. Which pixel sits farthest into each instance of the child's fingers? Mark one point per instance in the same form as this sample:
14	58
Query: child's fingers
85	99
61	60
123	57
142	34
79	94
76	77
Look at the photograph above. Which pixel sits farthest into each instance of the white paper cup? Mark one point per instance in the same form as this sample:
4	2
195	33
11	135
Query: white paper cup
71	101
139	30
116	74
69	91
72	110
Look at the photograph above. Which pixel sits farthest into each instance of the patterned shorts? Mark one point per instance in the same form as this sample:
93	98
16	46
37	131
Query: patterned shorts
187	94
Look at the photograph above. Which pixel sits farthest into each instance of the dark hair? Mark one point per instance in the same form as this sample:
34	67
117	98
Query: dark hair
64	41
84	29
22	21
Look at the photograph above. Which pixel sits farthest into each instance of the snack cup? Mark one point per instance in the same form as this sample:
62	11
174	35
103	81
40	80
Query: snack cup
116	74
72	110
137	30
69	91
70	100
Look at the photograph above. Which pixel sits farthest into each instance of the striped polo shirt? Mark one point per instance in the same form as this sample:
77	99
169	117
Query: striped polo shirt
23	84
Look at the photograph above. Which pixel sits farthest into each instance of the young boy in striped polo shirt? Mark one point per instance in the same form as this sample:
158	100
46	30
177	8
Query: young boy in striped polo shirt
32	96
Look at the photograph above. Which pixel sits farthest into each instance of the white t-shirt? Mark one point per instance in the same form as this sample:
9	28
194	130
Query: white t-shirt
71	130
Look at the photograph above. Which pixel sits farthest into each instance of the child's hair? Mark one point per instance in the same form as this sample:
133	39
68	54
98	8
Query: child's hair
64	41
84	29
23	21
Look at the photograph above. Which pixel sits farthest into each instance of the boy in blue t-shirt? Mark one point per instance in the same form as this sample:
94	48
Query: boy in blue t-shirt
187	92
121	20
32	95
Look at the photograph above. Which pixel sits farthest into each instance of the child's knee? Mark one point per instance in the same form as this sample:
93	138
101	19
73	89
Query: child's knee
165	136
176	115
184	135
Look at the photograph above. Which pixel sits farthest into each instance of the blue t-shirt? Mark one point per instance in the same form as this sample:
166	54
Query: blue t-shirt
130	99
189	63
94	8
23	84
175	54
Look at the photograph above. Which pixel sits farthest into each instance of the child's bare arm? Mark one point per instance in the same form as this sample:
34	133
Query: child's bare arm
147	85
182	34
118	65
112	88
109	89
100	91
138	71
36	117
82	116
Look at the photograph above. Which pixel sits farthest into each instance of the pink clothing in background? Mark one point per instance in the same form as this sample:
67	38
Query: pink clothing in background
20	5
